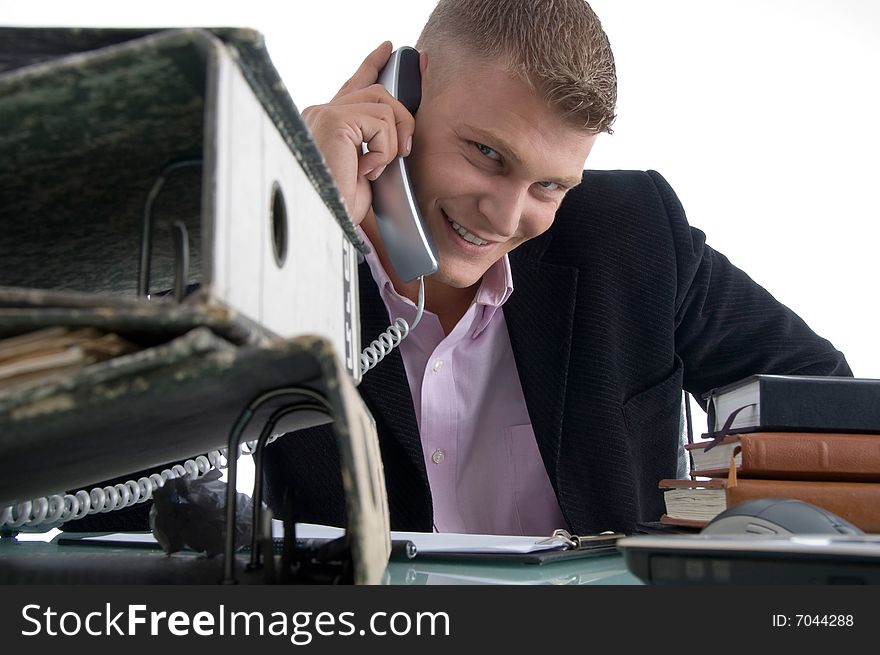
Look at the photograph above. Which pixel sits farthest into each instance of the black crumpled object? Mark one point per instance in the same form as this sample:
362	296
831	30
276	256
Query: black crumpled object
189	513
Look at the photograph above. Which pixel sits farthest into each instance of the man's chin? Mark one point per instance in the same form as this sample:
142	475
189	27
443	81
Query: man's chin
456	279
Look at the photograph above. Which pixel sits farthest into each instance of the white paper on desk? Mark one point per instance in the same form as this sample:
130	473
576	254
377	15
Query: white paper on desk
438	542
127	537
426	542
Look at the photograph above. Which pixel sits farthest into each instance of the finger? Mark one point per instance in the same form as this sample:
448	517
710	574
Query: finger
372	164
404	122
369	70
370	123
381	141
405	129
377	95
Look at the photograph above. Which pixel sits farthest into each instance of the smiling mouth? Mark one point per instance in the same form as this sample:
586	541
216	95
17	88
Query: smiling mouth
464	234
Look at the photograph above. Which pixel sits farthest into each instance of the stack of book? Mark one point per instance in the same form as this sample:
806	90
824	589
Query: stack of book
815	439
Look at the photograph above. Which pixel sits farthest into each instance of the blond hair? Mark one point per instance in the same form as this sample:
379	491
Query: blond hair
557	47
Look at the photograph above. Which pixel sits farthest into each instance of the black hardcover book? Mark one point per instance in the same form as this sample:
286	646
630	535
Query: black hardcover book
795	402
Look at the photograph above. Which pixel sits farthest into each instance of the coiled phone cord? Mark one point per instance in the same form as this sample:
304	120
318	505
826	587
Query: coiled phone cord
391	338
60	508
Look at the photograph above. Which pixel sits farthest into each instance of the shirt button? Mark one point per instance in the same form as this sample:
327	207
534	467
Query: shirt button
438	364
438	456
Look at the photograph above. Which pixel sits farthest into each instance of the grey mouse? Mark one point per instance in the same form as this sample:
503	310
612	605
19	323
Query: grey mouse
781	516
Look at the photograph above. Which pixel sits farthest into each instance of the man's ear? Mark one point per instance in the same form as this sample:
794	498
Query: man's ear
423	66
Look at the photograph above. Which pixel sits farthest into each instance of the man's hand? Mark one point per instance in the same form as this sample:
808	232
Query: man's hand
362	112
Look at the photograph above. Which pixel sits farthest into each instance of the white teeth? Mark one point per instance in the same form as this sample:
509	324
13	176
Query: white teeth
467	236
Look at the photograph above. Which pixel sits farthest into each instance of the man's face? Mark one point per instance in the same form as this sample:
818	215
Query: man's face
491	163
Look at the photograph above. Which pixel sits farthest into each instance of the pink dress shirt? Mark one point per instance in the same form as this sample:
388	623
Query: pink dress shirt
484	468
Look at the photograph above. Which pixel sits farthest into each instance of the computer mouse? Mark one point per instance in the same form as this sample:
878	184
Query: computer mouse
781	516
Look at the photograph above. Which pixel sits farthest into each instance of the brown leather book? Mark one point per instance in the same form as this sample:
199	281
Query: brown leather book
700	501
857	502
792	456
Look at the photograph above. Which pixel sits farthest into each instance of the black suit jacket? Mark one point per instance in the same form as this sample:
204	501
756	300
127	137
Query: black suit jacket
615	310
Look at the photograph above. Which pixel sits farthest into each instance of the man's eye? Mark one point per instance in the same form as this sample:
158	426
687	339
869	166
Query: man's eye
550	186
487	151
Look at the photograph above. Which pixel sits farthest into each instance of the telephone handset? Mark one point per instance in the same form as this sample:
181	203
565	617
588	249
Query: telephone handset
407	240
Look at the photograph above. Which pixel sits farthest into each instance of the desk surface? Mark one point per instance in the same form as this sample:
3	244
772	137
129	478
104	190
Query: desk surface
50	563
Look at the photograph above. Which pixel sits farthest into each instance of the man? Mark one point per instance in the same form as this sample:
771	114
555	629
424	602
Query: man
542	387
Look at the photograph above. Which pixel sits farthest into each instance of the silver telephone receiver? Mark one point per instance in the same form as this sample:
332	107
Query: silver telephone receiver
406	238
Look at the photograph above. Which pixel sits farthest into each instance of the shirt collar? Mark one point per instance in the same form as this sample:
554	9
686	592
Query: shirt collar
380	277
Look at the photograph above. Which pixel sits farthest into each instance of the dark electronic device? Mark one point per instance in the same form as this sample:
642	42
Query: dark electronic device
760	541
782	516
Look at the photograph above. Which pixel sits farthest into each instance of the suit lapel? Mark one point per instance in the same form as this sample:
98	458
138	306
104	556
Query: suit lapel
540	317
385	388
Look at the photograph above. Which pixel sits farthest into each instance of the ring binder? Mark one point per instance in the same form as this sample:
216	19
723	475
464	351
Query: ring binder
93	99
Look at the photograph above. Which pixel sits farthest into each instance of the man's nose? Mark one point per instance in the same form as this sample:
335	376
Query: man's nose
502	205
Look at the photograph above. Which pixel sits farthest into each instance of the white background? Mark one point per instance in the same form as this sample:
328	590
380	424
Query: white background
764	115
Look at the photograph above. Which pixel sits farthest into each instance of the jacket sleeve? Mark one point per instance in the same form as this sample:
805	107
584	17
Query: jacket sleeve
727	326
